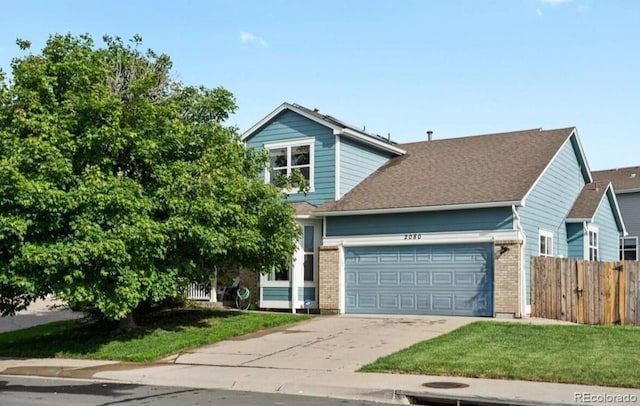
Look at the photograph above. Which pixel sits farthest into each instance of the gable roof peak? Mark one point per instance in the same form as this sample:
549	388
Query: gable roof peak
339	127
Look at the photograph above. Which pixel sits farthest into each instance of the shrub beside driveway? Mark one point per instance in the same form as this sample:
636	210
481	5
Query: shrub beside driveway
590	355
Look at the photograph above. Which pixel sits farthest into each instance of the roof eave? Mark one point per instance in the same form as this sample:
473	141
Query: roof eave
624	191
280	109
337	130
610	193
579	220
396	210
368	140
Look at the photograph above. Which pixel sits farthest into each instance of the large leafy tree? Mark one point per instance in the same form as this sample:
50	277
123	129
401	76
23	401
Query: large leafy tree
118	183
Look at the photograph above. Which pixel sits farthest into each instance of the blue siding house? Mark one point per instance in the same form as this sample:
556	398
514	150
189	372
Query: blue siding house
434	227
626	186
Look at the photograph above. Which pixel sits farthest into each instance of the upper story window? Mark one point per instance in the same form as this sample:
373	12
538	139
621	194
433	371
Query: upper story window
286	157
593	245
629	249
545	243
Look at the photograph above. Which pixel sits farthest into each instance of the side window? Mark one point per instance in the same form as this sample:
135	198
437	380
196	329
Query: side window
593	245
629	249
309	253
545	243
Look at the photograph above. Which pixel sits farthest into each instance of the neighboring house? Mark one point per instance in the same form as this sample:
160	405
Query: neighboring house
626	185
435	227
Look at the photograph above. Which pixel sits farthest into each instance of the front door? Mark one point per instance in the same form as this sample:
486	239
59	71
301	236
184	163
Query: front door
297	287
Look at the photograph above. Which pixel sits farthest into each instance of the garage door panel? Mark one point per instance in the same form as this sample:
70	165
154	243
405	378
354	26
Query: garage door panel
407	302
453	279
367	278
367	301
441	278
389	302
466	279
389	278
407	278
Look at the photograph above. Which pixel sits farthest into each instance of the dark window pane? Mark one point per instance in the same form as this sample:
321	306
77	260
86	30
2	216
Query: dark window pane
308	267
281	275
308	238
629	243
278	157
300	155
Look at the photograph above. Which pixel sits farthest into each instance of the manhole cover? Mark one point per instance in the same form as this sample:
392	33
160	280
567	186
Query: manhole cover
445	385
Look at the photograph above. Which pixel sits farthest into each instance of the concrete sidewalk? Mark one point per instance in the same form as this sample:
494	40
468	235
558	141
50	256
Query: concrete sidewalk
385	388
318	357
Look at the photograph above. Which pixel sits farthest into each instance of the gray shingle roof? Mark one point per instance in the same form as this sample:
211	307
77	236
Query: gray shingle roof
621	178
479	169
303	208
588	201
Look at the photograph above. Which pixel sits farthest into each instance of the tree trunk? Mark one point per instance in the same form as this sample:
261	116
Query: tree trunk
127	324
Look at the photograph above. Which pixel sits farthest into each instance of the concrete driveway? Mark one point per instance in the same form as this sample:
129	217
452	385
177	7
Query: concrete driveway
331	343
42	311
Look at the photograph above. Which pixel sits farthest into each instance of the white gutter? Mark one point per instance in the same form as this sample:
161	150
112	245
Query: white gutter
415	209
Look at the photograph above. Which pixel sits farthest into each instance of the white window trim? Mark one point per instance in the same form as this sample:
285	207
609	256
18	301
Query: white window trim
590	228
621	248
549	235
310	141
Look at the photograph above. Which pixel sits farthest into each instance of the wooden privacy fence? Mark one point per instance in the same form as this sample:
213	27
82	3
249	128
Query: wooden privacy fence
585	292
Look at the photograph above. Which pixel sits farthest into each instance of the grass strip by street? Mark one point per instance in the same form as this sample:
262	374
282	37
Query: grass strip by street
159	335
590	355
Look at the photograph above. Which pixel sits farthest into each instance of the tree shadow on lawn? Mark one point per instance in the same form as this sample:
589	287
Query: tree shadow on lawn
79	338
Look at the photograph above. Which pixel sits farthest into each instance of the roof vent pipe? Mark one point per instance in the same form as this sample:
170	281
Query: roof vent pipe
429	135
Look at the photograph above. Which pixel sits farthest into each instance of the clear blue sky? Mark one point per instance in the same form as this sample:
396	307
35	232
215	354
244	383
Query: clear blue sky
402	67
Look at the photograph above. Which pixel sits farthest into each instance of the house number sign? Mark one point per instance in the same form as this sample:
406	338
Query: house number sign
413	236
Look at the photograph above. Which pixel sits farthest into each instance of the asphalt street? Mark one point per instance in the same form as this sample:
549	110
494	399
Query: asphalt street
29	391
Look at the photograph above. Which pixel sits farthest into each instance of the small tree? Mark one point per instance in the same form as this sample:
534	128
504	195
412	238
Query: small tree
117	182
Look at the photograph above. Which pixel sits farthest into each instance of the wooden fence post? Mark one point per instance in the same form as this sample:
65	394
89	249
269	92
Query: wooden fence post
609	292
581	290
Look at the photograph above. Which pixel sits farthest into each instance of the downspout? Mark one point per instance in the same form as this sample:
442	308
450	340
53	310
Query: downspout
523	273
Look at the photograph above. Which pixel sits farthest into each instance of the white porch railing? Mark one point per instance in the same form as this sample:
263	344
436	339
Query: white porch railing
202	291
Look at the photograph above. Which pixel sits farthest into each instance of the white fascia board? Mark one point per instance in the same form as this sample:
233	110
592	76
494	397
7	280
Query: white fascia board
280	109
419	209
306	217
574	133
624	191
617	207
546	168
369	140
422	238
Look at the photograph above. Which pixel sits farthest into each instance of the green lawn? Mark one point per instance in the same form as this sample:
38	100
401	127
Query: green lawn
592	355
160	334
